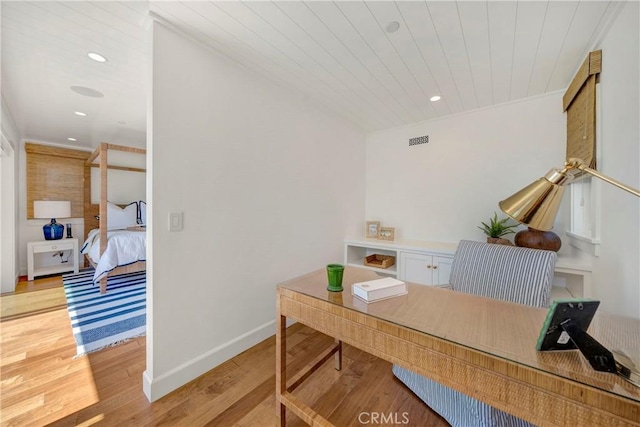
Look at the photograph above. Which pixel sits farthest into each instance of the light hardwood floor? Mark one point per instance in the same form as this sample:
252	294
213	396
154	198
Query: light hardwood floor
41	383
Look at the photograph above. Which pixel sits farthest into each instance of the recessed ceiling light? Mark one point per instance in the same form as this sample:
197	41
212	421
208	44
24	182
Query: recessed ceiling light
435	98
72	139
80	113
393	26
87	91
97	57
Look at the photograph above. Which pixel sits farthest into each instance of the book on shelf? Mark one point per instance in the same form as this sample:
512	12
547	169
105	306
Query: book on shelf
379	289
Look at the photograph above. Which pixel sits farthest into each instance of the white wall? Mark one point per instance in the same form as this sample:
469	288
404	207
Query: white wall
8	126
440	191
269	184
616	274
123	187
8	201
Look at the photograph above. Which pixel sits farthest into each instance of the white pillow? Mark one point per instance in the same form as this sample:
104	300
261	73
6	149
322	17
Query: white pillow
142	216
118	218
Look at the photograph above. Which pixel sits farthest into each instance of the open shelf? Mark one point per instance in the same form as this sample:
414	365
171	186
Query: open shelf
391	271
356	254
44	271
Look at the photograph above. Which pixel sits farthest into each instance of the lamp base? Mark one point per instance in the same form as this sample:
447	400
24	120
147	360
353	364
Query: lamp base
53	230
536	239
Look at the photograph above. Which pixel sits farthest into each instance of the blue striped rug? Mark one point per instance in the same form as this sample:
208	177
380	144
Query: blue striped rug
100	321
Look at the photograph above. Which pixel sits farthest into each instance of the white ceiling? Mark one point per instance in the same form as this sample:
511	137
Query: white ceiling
472	53
44	53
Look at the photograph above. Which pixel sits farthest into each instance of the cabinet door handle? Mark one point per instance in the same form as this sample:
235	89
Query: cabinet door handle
428	266
435	266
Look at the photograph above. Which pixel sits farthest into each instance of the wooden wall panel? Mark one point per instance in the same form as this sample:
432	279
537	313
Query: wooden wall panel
579	101
581	124
591	65
55	174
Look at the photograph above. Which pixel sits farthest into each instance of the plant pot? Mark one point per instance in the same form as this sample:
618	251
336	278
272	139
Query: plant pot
536	239
499	241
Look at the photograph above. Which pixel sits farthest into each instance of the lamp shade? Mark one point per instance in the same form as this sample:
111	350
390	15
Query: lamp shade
537	204
51	209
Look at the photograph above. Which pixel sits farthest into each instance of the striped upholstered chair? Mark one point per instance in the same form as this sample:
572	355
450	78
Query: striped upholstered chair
507	273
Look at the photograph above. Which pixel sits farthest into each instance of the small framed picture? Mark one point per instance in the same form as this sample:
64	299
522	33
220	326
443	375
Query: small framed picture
387	233
373	229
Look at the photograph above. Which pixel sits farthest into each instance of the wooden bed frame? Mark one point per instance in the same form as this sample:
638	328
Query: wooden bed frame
92	211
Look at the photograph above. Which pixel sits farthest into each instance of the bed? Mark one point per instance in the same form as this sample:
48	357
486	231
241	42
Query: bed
115	243
126	250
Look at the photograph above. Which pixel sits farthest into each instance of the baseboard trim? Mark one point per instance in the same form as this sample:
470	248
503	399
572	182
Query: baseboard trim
155	388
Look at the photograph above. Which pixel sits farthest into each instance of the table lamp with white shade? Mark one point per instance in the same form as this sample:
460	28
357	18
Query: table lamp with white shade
52	209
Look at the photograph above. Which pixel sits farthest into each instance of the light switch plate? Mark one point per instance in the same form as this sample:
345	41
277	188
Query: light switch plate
176	221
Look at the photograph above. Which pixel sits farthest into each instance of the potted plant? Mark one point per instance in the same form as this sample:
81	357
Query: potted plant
496	229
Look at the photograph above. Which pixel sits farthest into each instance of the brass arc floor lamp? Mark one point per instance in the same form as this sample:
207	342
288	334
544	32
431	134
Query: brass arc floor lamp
537	204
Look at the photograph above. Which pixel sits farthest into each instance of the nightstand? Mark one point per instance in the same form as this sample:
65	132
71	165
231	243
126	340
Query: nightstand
52	246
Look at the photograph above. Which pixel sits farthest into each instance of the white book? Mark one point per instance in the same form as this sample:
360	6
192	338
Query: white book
375	290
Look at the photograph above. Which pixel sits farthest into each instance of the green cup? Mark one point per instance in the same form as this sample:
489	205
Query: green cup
334	274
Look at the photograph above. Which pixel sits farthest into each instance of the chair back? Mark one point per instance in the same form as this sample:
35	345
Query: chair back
507	273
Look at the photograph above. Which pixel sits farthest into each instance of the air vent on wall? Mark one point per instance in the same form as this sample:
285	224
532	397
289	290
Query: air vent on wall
419	140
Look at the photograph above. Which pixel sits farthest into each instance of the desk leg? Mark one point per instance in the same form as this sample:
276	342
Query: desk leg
281	367
338	356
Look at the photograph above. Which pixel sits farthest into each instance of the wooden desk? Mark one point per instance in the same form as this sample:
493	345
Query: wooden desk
479	346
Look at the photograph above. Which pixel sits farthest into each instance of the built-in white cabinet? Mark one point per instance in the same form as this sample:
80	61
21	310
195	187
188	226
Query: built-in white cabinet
425	268
427	263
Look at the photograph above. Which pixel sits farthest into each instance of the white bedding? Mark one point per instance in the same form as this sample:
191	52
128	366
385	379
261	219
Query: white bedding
123	248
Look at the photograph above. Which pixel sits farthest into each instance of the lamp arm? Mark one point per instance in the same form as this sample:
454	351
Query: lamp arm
579	164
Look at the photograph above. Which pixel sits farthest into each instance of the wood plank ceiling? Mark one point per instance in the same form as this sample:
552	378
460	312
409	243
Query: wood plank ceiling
471	53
